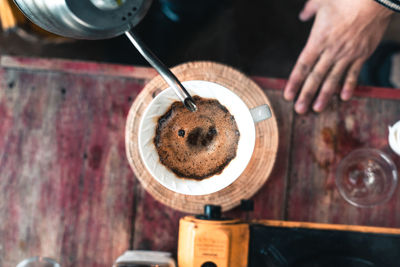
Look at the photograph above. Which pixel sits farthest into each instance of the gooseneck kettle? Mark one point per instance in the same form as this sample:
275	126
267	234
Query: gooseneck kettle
100	19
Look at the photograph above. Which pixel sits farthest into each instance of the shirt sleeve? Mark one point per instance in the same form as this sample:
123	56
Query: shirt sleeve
392	4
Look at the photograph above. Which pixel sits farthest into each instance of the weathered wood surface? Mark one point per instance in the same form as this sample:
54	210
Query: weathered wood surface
67	190
318	145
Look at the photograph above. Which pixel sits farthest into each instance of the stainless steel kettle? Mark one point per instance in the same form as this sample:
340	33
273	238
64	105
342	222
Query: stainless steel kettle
100	19
85	19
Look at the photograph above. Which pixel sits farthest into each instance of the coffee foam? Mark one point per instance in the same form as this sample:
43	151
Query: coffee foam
197	144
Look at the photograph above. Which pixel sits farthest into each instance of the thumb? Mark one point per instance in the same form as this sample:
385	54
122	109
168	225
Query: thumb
309	10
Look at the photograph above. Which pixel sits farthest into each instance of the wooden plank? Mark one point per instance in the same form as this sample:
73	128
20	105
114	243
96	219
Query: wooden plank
156	225
67	191
361	91
320	142
77	67
96	68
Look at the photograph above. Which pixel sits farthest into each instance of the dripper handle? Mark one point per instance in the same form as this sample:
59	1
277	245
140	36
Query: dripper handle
261	113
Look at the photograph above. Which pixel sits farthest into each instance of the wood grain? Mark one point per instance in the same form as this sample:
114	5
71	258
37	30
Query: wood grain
77	67
67	191
320	141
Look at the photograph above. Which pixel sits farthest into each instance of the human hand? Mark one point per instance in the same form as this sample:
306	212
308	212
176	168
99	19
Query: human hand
343	36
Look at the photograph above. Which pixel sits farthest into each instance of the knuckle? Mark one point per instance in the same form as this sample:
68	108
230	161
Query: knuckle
316	76
354	73
334	78
304	68
296	77
295	83
335	50
362	52
351	52
365	48
352	76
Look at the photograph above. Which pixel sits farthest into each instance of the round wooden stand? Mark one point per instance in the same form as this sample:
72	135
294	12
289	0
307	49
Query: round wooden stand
260	165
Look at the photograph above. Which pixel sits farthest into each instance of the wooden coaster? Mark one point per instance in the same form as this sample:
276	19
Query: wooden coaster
260	165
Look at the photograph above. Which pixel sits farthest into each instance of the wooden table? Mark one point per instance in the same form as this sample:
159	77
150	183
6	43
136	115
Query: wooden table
67	191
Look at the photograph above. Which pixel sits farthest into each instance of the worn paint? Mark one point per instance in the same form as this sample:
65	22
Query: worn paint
68	191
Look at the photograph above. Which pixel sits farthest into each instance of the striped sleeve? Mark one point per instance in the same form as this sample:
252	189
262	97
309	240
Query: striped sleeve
392	4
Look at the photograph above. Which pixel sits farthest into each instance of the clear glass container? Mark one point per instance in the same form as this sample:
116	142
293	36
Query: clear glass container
38	262
366	177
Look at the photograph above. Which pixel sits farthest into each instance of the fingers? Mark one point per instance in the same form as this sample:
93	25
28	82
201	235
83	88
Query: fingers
309	10
312	83
330	86
332	83
299	73
309	79
351	79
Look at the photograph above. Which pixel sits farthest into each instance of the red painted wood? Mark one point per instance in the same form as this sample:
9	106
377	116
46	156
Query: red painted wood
361	91
77	67
156	226
67	191
81	67
320	142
